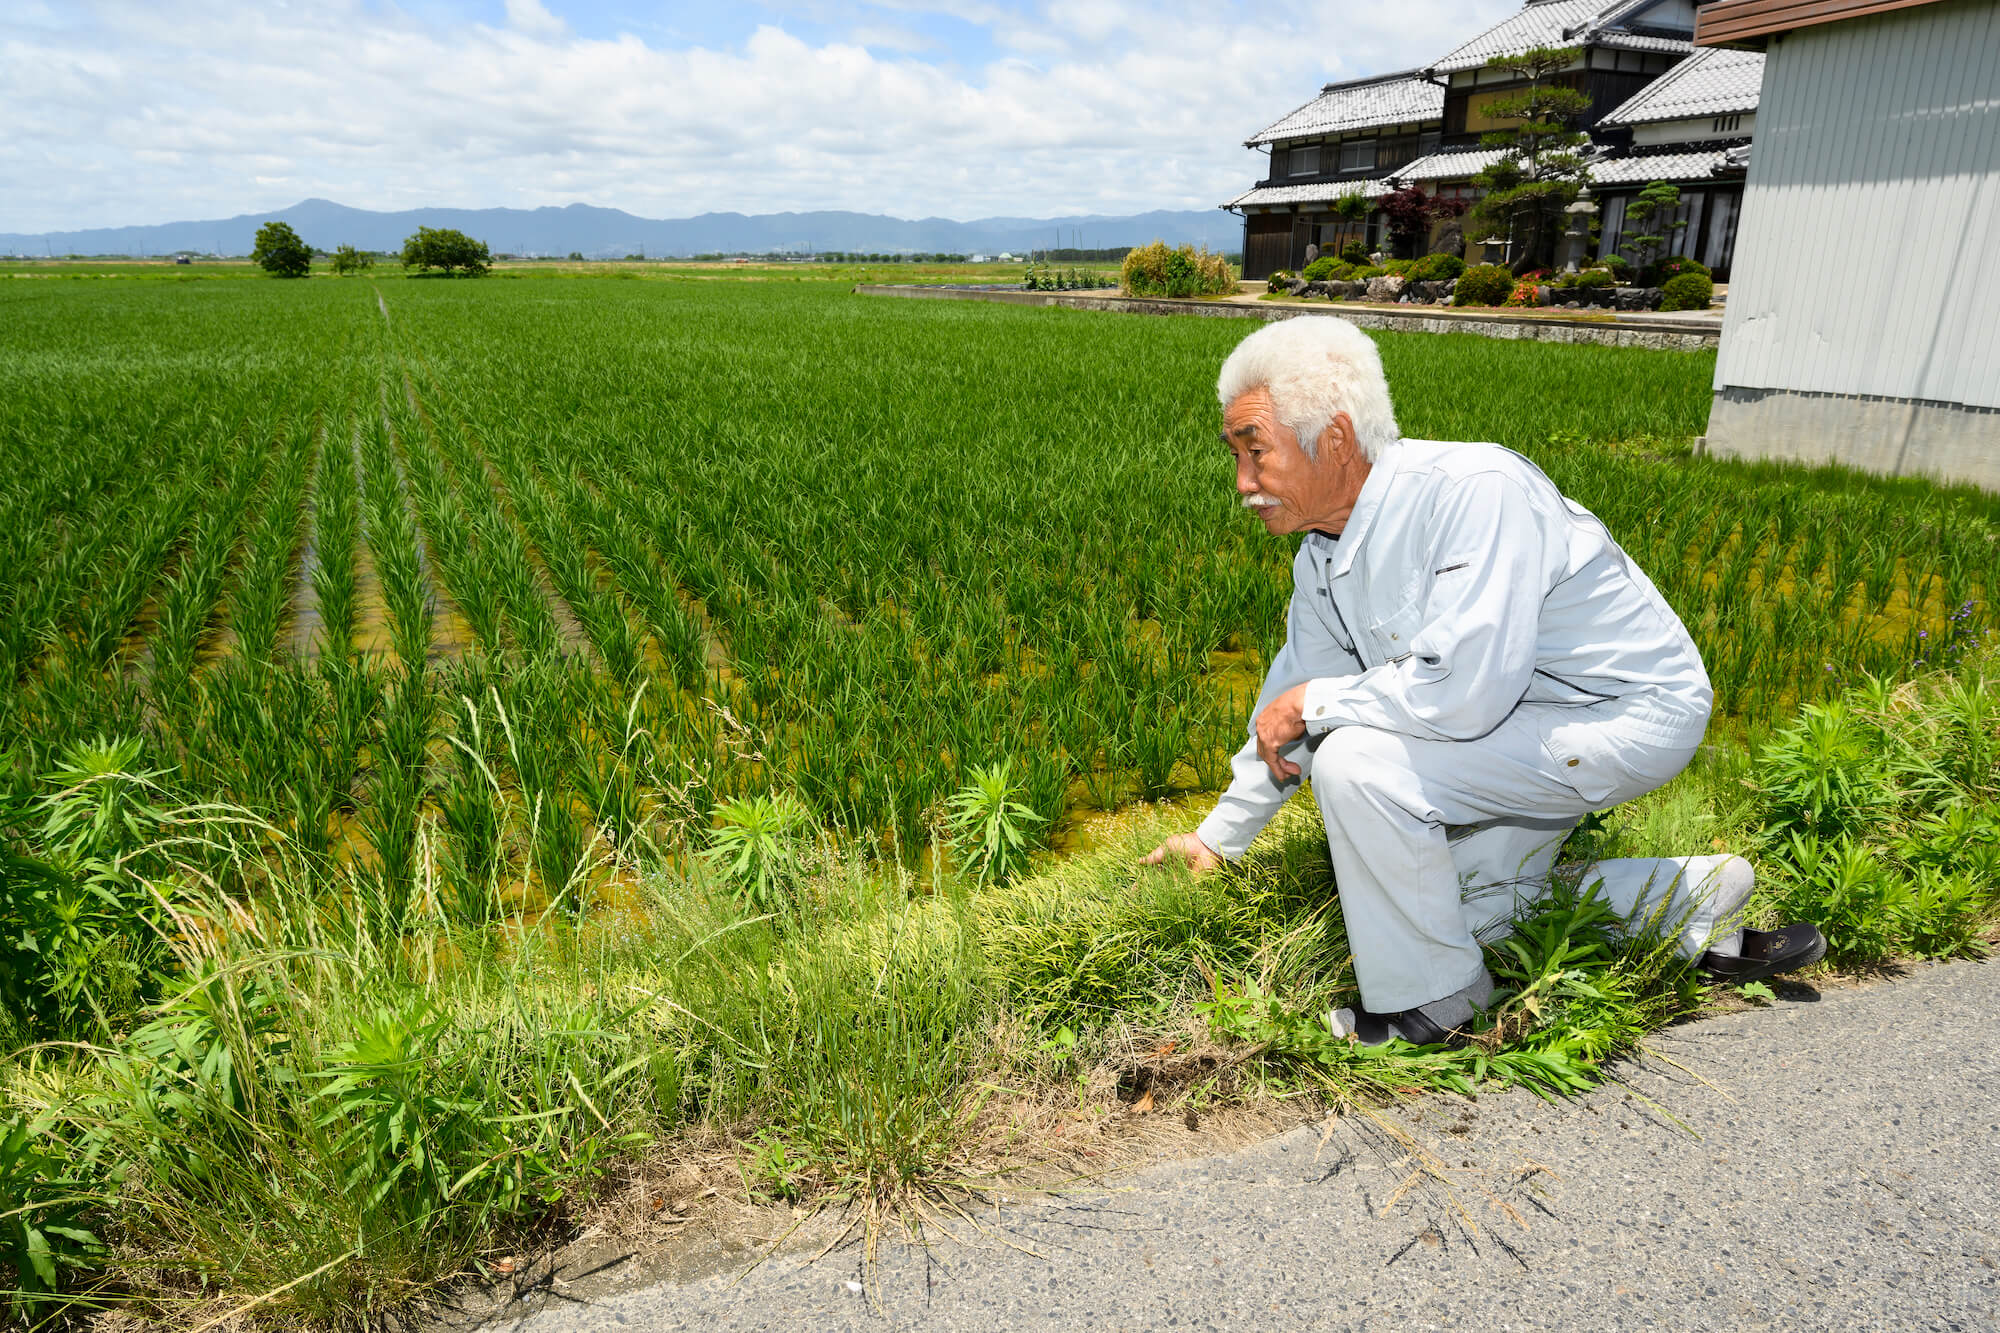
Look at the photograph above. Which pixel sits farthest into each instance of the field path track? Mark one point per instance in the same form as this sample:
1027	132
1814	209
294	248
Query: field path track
1838	1170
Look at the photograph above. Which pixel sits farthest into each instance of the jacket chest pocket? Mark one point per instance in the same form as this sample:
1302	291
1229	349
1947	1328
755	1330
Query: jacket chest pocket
1391	634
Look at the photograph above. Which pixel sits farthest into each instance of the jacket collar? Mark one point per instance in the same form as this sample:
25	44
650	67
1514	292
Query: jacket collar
1345	547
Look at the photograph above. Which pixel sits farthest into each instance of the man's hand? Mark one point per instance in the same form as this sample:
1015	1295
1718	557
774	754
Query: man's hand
1278	726
1187	847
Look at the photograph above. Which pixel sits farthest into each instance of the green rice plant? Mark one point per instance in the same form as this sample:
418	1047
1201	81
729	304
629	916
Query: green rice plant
336	532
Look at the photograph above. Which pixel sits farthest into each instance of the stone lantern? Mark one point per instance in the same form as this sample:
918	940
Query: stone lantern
1576	240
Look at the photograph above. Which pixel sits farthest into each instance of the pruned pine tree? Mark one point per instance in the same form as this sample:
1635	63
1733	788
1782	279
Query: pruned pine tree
1543	168
1652	219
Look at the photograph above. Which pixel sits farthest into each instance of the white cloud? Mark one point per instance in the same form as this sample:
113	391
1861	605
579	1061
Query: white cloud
530	17
130	114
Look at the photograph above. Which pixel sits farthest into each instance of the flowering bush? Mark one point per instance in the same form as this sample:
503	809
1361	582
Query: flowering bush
1279	282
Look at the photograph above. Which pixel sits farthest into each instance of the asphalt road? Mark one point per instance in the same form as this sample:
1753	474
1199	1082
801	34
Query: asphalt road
1839	1168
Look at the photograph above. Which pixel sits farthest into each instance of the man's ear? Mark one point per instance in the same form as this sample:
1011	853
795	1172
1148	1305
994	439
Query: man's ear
1338	441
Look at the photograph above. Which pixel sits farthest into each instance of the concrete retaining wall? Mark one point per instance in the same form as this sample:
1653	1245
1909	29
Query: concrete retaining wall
1899	436
1658	335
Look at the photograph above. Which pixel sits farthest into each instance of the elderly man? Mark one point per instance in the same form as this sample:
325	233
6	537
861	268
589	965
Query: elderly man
1471	665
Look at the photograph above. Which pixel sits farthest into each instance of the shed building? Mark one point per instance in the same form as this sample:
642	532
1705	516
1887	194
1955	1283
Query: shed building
1859	327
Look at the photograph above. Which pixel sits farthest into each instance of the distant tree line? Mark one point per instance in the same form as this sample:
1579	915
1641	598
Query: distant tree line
1070	255
280	252
829	257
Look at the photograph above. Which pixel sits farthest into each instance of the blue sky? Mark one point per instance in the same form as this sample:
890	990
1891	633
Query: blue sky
128	111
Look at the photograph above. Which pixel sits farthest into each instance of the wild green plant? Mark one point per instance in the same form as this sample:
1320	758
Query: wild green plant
757	844
44	1205
989	824
80	943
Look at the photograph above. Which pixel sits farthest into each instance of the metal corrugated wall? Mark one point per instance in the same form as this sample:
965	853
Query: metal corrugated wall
1868	260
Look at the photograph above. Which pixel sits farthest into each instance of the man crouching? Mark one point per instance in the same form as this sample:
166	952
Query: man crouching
1471	665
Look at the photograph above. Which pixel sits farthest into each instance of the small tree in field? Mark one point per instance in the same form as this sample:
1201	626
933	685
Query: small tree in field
1411	212
1542	170
280	252
348	260
446	249
1652	213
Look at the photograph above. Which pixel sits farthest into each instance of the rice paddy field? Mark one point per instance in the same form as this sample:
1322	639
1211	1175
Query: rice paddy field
303	538
443	622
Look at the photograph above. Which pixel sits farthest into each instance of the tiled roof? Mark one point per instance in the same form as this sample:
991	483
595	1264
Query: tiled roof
1562	23
1307	194
1661	167
1635	169
1714	81
1391	99
1460	165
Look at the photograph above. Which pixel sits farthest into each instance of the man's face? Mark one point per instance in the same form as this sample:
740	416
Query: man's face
1288	491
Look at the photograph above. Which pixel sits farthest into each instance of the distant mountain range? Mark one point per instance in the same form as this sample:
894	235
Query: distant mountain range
610	232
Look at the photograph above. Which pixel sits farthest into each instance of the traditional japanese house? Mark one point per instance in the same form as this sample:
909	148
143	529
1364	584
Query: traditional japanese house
1343	143
1619	49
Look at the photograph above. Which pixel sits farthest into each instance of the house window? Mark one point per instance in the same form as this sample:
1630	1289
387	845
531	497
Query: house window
1358	156
1727	124
1427	144
1305	160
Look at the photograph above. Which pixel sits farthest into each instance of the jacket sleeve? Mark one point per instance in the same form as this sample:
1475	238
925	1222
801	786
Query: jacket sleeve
1311	650
1464	655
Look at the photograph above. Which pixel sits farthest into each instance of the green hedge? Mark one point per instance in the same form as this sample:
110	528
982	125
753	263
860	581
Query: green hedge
1483	284
1690	291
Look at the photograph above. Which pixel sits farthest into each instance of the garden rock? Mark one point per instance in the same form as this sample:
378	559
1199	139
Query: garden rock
1298	286
1636	298
1385	288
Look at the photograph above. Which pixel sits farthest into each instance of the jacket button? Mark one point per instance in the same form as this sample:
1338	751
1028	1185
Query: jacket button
1573	763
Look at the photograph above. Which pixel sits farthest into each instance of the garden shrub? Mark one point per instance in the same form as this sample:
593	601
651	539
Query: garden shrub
1484	284
1399	268
1690	291
1154	270
1355	253
1436	268
1280	281
1618	264
1365	273
1675	265
1324	268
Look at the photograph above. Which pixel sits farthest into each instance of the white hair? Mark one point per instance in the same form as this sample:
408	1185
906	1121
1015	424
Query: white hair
1315	367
